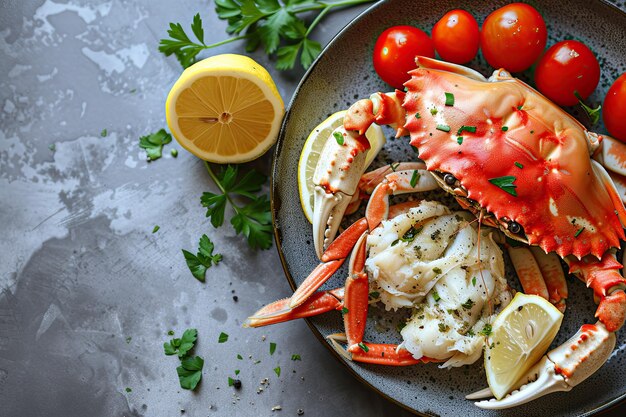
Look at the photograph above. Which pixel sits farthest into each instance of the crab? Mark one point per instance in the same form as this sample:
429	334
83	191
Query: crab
516	161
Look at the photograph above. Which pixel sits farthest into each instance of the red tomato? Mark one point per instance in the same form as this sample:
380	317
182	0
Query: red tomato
395	52
456	37
614	109
513	37
567	67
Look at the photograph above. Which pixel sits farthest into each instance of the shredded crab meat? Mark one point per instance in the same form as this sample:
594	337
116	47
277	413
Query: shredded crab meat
428	259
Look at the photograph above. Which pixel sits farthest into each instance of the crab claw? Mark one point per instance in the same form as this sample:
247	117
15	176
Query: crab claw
561	369
336	178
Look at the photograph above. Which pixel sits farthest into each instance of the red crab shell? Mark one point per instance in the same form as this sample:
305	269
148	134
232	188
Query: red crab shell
518	133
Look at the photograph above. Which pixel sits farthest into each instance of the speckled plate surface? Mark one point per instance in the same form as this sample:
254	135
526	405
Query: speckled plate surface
343	74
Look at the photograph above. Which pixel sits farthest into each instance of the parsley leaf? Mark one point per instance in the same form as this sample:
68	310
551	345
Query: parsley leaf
183	345
296	357
272	348
505	183
277	370
153	143
223	338
253	219
190	372
273	24
203	260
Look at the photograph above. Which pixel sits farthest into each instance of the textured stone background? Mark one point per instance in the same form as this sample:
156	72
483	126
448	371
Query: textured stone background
88	293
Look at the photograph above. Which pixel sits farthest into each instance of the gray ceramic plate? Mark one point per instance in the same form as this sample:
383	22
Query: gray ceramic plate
342	74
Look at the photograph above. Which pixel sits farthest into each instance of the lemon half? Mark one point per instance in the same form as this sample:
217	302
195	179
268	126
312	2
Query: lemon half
313	146
225	109
520	335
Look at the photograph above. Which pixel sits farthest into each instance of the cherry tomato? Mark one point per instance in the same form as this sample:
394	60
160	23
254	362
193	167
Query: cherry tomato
513	37
614	109
567	67
456	37
395	52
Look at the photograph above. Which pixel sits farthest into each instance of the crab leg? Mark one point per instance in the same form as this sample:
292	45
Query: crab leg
375	353
553	276
528	271
356	300
279	311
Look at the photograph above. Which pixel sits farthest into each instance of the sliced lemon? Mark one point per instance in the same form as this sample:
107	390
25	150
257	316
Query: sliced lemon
225	109
520	335
311	154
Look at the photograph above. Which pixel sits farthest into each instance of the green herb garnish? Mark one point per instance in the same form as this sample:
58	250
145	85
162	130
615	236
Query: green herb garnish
436	296
339	138
443	327
459	140
181	346
471	129
271	24
505	128
443	128
414	178
517	164
417	116
272	348
223	338
203	259
374	294
239	357
579	231
410	234
437	271
486	331
594	114
128	389
156	228
473	281
344	311
104	133
153	143
364	347
190	372
296	357
237	371
174	153
277	371
433	111
468	304
449	99
506	184
253	219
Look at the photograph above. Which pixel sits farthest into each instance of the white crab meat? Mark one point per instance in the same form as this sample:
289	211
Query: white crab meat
428	259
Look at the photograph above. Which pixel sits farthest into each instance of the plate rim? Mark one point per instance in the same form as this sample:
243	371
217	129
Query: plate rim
277	232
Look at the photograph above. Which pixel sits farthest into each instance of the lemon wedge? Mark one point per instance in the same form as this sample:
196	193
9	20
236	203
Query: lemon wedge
225	109
520	335
313	146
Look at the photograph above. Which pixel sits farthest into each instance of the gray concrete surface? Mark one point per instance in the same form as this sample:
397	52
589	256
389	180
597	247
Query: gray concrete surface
88	292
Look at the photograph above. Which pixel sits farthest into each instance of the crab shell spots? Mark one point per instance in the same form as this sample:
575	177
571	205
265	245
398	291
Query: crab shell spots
557	190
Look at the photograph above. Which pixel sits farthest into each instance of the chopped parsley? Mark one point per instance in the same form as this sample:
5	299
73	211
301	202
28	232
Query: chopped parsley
436	296
449	99
395	242
486	331
471	129
579	231
505	128
296	357
459	140
468	304
339	138
506	184
443	128
156	228
443	327
104	133
231	382
174	152
272	348
364	347
203	259
473	281
128	389
417	116
414	178
374	294
433	111
517	164
410	234
520	107
237	371
344	311
223	338
181	346
153	143
239	357
277	371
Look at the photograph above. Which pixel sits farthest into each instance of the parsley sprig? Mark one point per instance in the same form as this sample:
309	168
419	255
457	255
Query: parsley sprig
153	143
190	369
273	24
203	260
252	219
